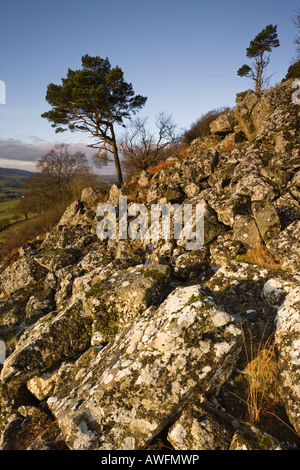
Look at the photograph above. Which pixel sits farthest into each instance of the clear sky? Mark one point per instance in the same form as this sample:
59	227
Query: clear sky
182	55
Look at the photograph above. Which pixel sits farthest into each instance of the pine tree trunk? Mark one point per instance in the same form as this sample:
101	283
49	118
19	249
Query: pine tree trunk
116	157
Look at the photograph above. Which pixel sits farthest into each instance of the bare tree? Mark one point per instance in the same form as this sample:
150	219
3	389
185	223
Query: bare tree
296	21
142	148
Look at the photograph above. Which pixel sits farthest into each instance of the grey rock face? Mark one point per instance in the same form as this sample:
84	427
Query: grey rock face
152	368
197	429
288	344
23	273
46	342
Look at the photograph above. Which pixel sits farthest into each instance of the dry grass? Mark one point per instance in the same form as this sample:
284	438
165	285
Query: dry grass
184	152
26	231
159	167
261	375
260	256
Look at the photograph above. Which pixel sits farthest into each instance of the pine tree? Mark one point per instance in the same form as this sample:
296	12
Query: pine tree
93	100
259	50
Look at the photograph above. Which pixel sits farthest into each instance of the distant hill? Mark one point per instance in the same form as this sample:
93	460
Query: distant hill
13	172
11	181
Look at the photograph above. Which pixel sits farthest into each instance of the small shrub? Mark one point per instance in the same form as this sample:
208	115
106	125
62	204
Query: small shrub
200	128
293	71
160	166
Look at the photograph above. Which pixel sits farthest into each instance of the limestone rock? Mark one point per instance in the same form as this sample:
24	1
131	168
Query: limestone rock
54	259
12	309
71	212
254	439
198	429
198	167
21	274
131	389
254	186
122	296
267	220
224	249
287	247
222	125
288	209
114	194
70	237
88	195
192	264
144	179
228	205
46	342
287	339
245	230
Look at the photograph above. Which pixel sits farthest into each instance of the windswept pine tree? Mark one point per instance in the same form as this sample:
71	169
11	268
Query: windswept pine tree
259	50
93	100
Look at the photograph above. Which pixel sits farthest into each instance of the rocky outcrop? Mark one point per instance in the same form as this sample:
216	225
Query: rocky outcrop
141	343
288	345
151	369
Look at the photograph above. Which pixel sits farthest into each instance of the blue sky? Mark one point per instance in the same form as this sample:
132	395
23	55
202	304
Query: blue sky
182	55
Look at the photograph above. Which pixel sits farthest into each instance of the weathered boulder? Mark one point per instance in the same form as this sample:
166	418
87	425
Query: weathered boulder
210	226
131	389
156	194
193	263
54	259
270	114
256	187
225	249
12	309
122	295
114	193
46	383
277	288
267	220
39	304
287	339
191	189
144	179
287	247
88	196
74	281
223	125
245	230
71	214
198	429
254	439
238	287
228	205
22	274
56	336
70	237
196	168
288	209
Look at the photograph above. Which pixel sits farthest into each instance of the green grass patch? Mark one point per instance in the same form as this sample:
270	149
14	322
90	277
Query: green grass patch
7	208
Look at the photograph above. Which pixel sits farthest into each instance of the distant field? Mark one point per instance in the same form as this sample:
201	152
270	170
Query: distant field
6	208
11	181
